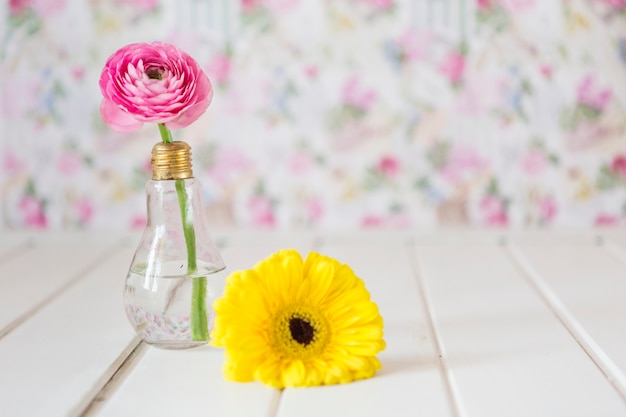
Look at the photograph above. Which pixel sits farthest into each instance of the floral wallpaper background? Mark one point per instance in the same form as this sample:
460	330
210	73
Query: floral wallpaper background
334	114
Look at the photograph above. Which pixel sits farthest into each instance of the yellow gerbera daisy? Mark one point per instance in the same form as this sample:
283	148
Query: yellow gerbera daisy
287	323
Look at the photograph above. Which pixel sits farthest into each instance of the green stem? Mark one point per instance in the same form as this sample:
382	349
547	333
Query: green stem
198	319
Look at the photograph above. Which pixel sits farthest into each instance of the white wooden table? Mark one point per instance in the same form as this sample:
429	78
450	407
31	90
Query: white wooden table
476	324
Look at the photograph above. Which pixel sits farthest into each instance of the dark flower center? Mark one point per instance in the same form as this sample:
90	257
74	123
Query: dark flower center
301	330
155	73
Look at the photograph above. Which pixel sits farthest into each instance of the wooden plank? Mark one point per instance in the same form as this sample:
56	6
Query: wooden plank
56	361
506	352
33	277
590	284
409	383
190	382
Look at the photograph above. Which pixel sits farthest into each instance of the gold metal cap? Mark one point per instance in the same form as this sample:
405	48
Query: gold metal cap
171	161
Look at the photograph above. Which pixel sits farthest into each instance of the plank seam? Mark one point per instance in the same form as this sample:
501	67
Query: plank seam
614	250
451	388
47	300
112	379
597	355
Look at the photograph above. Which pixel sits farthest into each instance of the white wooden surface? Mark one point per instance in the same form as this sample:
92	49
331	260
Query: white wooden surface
476	324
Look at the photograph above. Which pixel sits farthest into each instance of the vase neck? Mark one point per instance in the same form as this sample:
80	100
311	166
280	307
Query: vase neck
171	161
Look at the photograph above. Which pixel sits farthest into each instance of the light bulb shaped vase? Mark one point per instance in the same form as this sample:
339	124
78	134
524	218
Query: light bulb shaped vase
177	271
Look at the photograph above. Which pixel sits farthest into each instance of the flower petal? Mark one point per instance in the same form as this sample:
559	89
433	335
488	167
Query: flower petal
117	119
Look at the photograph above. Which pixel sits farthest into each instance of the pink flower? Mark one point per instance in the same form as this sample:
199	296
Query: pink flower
219	68
615	4
534	162
413	45
300	163
314	209
69	163
11	163
154	82
261	210
138	222
605	220
389	166
41	7
453	67
371	221
494	211
32	210
84	210
547	208
354	95
619	165
591	96
379	4
142	5
485	4
462	161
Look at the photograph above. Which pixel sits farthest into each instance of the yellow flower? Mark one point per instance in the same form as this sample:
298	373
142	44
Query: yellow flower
287	323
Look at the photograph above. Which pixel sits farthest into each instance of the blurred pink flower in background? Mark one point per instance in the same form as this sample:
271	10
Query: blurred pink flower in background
11	163
619	165
219	68
229	162
494	211
517	6
453	67
69	163
355	95
43	8
262	211
534	162
414	45
141	5
460	162
84	210
379	5
32	212
606	220
314	209
615	4
547	208
138	222
389	166
300	163
590	95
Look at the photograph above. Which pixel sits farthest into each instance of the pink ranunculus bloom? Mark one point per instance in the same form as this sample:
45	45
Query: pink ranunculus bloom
494	211
453	67
354	95
152	82
619	165
32	212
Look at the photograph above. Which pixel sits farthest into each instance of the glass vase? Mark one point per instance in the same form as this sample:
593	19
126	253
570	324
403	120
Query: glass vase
177	271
